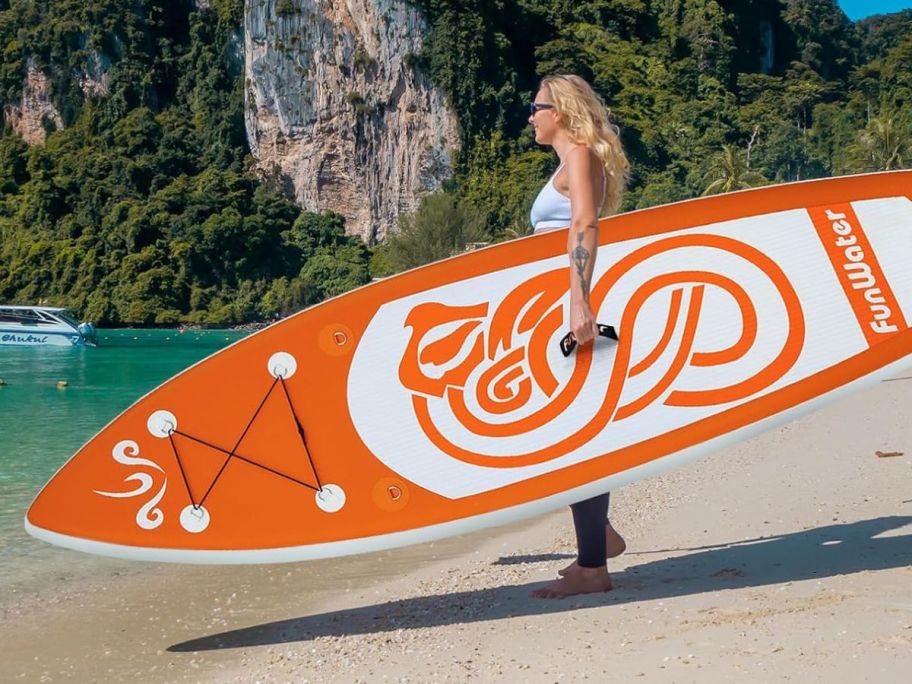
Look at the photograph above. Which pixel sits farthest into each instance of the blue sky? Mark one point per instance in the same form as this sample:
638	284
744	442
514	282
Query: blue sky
859	9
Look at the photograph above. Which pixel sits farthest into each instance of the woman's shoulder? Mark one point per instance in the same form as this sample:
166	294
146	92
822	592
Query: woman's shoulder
583	153
583	158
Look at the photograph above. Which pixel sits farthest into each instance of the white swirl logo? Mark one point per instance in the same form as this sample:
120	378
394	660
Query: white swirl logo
149	515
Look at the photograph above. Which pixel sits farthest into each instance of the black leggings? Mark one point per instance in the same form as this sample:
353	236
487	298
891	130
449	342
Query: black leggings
589	518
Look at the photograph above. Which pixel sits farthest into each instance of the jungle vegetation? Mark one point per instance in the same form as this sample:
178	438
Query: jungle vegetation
144	207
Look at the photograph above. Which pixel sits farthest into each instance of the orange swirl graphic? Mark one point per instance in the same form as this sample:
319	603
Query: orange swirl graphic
534	309
670	325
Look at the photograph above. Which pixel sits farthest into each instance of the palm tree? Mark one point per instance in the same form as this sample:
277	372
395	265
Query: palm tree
730	172
885	144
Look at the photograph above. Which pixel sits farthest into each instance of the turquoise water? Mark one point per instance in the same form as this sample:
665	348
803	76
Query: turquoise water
41	426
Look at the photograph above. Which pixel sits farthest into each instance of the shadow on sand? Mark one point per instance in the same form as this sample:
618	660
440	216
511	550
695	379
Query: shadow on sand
810	554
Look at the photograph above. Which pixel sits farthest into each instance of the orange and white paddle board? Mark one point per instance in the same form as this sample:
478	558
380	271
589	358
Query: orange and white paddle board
438	401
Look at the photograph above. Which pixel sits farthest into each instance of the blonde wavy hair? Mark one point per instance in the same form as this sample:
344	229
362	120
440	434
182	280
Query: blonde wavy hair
587	120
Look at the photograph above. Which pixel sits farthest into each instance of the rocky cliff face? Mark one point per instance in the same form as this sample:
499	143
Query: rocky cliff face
335	112
34	116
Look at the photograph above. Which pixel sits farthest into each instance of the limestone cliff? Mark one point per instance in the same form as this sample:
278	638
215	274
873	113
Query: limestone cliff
334	110
34	116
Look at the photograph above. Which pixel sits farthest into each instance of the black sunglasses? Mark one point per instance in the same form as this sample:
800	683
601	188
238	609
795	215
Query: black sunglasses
535	106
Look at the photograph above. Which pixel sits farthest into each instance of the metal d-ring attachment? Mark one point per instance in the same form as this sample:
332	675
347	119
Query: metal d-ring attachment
162	424
282	365
330	498
194	518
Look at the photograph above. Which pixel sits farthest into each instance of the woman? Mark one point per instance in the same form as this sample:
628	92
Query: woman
567	115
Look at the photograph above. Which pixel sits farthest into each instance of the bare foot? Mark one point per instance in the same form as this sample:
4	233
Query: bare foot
614	547
614	543
577	581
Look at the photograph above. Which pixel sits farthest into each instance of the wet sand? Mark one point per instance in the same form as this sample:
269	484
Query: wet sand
786	557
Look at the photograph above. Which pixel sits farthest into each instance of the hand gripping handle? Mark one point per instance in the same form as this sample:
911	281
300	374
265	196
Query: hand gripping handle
568	343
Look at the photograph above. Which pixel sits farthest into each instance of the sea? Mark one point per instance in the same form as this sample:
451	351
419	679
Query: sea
43	424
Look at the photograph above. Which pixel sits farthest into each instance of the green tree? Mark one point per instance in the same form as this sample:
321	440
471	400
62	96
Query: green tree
504	180
831	137
707	29
659	188
885	144
730	172
824	38
331	273
439	228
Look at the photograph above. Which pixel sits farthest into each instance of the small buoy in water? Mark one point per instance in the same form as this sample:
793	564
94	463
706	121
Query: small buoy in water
61	384
2	382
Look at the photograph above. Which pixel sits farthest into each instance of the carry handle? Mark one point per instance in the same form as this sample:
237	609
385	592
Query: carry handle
568	344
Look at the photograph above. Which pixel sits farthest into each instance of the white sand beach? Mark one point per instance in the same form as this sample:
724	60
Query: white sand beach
788	557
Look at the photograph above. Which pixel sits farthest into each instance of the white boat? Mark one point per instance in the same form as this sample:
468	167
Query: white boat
43	325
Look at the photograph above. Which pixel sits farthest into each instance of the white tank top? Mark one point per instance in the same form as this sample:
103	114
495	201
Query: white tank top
551	209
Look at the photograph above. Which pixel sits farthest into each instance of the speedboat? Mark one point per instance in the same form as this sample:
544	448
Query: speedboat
43	325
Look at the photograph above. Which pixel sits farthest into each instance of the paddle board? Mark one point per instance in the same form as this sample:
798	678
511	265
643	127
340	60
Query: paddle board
439	401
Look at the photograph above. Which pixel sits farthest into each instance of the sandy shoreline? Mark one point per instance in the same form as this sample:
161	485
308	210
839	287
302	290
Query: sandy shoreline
786	557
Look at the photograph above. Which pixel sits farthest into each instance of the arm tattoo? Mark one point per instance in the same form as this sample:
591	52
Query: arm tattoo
580	257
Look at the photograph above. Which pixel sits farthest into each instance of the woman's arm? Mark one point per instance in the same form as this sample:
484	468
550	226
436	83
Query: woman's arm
584	175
